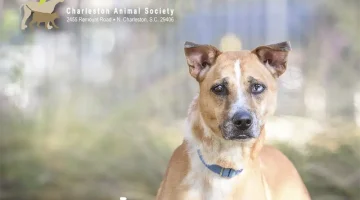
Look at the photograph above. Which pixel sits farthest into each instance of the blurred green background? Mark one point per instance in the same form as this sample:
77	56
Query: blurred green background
94	111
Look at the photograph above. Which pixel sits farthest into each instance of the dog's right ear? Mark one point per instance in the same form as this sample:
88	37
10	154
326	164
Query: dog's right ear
200	58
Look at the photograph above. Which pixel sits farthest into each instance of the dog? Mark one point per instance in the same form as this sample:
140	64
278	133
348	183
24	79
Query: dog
46	18
223	156
42	7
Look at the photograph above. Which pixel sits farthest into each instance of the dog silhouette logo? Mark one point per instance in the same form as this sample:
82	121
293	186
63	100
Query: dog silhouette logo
43	12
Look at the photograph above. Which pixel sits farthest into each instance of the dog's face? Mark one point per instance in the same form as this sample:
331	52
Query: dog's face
237	89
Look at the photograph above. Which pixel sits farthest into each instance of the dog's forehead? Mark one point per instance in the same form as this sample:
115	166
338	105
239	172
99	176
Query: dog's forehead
229	57
238	65
228	61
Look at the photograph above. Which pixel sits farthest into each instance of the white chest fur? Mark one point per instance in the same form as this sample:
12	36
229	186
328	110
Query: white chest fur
204	184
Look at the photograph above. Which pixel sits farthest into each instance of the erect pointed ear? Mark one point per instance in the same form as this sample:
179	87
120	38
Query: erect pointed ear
274	57
200	58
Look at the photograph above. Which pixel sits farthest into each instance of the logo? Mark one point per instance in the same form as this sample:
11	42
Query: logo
42	12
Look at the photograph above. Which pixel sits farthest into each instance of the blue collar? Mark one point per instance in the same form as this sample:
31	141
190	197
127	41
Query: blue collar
223	172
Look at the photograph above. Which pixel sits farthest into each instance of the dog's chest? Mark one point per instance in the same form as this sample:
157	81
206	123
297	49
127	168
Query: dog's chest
225	189
203	184
210	188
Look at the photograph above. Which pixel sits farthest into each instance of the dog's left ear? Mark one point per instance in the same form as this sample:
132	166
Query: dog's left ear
274	56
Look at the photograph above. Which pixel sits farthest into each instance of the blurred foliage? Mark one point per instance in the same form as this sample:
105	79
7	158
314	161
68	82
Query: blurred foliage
56	155
347	18
10	24
330	165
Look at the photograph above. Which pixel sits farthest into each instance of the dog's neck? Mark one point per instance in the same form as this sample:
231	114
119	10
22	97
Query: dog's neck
215	149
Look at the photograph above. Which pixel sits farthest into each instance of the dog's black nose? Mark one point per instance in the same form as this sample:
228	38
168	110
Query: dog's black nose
242	120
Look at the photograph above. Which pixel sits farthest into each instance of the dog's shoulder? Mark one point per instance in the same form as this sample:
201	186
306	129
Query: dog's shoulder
270	155
179	162
280	172
177	170
36	14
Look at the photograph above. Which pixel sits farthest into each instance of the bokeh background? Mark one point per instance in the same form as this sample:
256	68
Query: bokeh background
94	111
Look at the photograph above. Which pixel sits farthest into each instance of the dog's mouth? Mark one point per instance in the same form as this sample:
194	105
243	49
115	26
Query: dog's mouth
237	136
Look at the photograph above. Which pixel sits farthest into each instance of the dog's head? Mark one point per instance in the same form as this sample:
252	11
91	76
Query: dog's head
237	89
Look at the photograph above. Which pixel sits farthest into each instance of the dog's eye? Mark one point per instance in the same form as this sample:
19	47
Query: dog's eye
219	90
257	88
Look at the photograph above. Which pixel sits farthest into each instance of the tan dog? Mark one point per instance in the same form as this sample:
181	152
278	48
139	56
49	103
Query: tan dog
223	156
46	18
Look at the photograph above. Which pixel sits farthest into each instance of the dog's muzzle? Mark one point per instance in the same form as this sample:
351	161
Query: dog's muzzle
242	125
